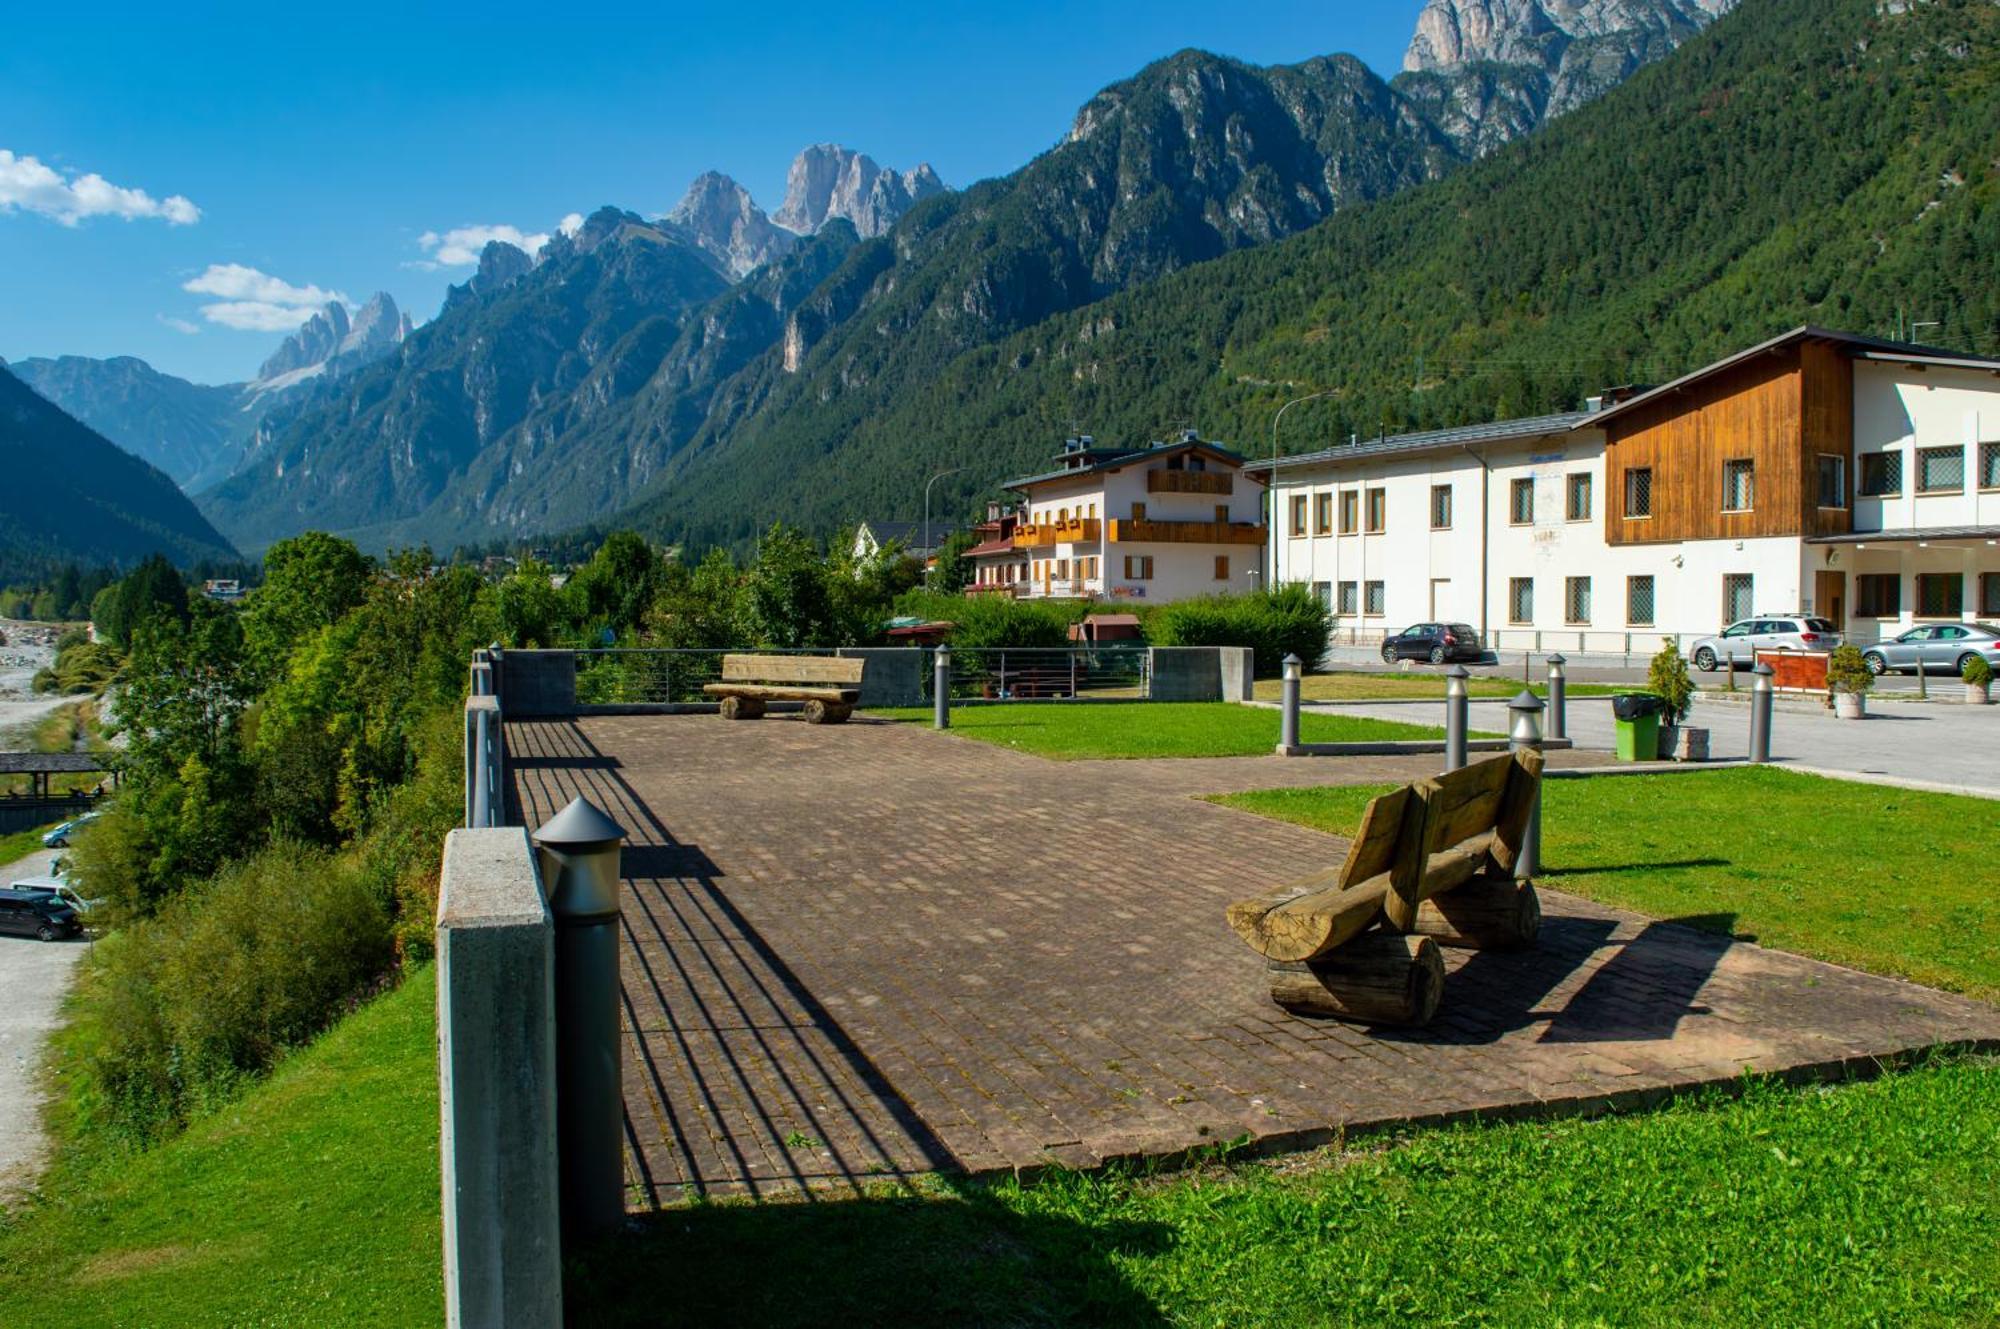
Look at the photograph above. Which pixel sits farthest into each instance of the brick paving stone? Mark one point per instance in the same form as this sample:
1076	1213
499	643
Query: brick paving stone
869	951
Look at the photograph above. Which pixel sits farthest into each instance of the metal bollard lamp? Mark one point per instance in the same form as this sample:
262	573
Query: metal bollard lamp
1526	734
1761	698
578	853
1457	715
941	688
1288	716
1558	697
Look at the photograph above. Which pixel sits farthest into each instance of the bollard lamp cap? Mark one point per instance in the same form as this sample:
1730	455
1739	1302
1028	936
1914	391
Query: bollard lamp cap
1458	671
1525	700
1764	669
1557	659
581	823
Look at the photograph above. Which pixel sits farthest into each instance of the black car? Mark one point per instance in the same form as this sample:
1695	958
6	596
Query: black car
37	914
1436	642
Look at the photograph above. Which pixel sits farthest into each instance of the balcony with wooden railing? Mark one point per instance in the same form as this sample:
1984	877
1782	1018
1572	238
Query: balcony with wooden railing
1041	535
1125	531
1164	481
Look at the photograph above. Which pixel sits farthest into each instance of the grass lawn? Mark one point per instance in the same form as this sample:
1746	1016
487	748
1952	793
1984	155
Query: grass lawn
1151	729
1343	685
1864	1204
1888	880
313	1200
20	844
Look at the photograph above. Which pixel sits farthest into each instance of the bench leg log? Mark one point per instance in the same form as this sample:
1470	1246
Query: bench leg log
826	712
741	708
1487	913
1378	978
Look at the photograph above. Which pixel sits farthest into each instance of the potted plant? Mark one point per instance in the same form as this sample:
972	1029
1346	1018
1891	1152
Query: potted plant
1668	678
1848	682
1978	676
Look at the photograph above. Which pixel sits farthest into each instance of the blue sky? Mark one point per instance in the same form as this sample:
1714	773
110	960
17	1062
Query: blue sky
271	158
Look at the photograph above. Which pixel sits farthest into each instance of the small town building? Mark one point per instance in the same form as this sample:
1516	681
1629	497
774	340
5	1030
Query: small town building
1819	473
1162	522
997	566
872	537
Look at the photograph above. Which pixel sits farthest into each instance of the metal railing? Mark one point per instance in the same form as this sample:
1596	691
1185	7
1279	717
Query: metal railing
1046	673
649	676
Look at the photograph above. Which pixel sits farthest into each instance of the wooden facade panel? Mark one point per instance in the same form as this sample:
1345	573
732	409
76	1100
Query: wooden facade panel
1827	429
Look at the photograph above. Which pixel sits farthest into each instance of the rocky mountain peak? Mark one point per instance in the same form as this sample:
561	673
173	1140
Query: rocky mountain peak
719	215
334	339
499	263
827	180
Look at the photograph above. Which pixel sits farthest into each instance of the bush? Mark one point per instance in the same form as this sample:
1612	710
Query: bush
1288	621
1977	672
176	1010
995	621
1668	677
1847	671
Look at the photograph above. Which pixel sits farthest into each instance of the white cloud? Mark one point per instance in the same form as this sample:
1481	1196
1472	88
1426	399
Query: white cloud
179	325
256	301
460	246
27	185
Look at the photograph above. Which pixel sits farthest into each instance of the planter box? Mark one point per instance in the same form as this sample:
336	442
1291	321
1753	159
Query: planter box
1978	694
1796	671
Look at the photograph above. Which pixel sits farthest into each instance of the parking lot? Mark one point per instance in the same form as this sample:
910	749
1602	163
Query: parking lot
34	976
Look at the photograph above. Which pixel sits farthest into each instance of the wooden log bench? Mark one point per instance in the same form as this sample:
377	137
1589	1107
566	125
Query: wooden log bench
829	686
1432	865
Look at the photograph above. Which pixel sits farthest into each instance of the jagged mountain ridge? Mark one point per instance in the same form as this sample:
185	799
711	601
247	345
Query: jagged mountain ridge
192	431
828	181
72	495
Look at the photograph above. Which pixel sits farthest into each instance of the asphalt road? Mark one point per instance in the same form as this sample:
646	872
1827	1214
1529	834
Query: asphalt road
34	976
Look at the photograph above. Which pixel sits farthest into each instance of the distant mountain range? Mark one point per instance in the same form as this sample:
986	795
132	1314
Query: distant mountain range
72	496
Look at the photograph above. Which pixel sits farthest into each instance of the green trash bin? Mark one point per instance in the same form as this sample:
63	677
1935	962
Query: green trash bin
1637	716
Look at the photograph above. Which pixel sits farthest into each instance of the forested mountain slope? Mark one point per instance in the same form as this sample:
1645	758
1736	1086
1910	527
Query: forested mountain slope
1829	161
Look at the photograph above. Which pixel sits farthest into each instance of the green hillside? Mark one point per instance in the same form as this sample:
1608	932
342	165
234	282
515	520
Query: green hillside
1804	160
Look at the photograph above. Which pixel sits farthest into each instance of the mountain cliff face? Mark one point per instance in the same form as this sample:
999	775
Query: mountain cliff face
72	495
719	215
828	181
191	431
330	342
1488	71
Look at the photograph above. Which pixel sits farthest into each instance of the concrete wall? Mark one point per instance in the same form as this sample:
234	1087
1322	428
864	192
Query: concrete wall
890	675
538	683
1187	673
496	1085
1238	680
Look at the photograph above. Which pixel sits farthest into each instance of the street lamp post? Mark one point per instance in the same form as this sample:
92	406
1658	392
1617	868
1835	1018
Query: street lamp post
1271	531
927	510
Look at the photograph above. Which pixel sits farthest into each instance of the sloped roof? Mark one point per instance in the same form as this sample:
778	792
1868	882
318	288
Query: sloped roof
1128	458
1534	426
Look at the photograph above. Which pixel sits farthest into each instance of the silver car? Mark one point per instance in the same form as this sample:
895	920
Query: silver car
1742	640
1942	648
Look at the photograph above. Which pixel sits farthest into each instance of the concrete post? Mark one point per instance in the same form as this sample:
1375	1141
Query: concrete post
1761	697
1457	715
1526	734
1288	721
1558	698
579	853
941	688
482	738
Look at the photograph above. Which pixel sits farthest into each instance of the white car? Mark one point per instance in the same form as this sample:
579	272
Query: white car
58	836
56	881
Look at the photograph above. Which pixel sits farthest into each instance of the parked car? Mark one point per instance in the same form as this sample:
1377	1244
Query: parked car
58	836
1742	640
34	913
1942	648
1436	642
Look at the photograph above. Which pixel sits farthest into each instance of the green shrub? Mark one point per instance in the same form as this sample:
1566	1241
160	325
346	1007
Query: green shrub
1847	671
1977	672
1288	621
996	621
174	1011
1667	677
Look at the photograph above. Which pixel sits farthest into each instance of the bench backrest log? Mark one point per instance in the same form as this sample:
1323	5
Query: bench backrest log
791	669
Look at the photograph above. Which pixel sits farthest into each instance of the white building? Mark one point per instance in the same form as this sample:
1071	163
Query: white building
1817	473
1163	522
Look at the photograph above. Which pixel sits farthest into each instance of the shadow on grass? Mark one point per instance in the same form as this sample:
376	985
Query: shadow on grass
1671	865
958	1259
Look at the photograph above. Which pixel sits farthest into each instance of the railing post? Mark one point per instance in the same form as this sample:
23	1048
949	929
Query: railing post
941	688
1558	698
1288	720
1923	674
1526	735
1761	697
1457	708
580	859
482	737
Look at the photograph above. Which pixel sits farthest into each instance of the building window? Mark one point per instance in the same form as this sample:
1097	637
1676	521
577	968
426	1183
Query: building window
1881	474
1576	601
1376	598
1579	497
1522	498
1521	600
1222	567
1832	481
1878	595
1350	597
1639	492
1323	514
1062	569
1138	567
1440	507
1323	592
1739	485
1739	596
1222	514
1350	512
1299	514
1989	467
1639	602
1940	470
1378	511
1989	592
1138	512
1940	594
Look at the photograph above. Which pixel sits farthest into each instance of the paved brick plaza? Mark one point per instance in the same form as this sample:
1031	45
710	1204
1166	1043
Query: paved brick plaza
866	951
